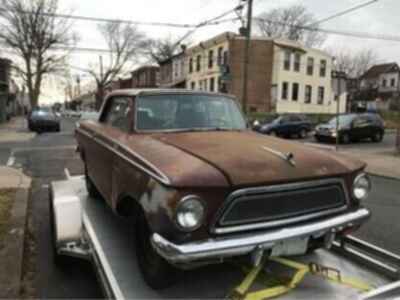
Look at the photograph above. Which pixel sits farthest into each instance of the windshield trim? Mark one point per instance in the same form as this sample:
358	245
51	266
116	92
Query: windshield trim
192	129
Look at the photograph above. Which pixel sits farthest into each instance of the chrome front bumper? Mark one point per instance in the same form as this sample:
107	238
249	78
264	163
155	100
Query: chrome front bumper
246	243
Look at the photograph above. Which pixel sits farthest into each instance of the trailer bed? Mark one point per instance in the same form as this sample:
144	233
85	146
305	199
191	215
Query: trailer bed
111	240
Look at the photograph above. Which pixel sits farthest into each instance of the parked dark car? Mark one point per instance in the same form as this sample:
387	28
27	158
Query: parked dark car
352	128
43	119
200	187
287	126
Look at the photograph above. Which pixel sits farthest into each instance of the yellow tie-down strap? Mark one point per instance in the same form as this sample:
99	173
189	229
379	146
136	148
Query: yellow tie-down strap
280	286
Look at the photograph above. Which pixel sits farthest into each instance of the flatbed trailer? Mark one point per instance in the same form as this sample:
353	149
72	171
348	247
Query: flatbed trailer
86	228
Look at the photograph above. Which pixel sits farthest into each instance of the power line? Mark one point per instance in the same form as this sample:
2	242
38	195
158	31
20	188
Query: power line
344	12
208	22
96	19
362	35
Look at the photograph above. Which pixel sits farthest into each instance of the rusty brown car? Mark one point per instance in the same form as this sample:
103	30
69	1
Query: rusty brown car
202	188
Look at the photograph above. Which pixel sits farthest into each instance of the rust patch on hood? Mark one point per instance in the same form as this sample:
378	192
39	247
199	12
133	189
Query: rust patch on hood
247	158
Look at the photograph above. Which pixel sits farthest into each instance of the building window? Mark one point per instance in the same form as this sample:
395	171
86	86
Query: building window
286	60
384	83
210	59
212	84
191	65
295	91
297	61
225	58
219	56
321	95
285	88
198	63
322	68
308	94
393	82
193	85
310	66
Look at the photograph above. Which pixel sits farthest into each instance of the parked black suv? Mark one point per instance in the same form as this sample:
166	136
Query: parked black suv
287	126
352	128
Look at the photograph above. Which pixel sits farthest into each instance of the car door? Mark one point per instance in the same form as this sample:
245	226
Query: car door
115	122
359	127
295	125
284	126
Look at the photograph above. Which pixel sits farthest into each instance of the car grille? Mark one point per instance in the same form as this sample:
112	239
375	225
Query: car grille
283	204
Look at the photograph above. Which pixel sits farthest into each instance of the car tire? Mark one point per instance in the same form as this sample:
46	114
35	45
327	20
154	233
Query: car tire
273	133
377	137
91	188
345	138
156	271
303	133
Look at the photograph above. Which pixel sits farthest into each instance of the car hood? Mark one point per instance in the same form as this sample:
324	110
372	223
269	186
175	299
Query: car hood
248	159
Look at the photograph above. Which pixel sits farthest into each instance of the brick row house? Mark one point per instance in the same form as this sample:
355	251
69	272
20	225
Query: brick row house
283	75
173	71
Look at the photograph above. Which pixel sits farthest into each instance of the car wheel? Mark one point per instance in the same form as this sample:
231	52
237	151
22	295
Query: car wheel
156	271
303	133
345	138
273	133
377	137
91	188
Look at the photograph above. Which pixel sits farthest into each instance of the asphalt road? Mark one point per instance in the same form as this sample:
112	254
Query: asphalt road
45	159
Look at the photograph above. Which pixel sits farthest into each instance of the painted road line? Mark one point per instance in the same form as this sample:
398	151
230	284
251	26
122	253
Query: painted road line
11	159
69	176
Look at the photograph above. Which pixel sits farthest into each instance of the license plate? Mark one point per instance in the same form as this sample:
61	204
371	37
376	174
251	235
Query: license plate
295	246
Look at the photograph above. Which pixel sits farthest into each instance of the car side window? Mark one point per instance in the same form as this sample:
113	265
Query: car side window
360	121
294	119
118	114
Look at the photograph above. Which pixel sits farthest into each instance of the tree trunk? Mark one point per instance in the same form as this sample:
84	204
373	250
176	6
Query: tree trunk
99	97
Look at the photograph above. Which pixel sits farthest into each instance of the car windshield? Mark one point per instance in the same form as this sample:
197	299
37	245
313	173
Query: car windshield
191	112
343	120
41	112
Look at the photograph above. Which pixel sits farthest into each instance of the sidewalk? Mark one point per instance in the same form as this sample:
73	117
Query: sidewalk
384	163
15	131
11	178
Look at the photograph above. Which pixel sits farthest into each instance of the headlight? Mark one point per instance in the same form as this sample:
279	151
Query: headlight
361	186
190	213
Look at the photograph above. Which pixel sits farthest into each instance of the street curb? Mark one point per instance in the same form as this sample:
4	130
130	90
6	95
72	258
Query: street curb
11	256
372	173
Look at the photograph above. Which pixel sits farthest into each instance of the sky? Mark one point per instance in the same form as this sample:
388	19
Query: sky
378	18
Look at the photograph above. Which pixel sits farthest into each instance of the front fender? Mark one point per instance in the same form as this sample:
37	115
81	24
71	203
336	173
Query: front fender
159	203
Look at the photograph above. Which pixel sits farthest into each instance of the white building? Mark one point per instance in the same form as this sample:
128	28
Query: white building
302	81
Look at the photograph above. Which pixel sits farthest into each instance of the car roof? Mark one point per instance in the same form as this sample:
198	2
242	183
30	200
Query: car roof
156	91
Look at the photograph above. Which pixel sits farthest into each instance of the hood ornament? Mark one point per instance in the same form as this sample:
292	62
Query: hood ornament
288	157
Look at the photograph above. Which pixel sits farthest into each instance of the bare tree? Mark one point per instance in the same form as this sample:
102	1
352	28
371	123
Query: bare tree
294	23
354	63
31	30
159	50
125	44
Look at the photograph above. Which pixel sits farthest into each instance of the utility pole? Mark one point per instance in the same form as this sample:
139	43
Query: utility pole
100	91
246	54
